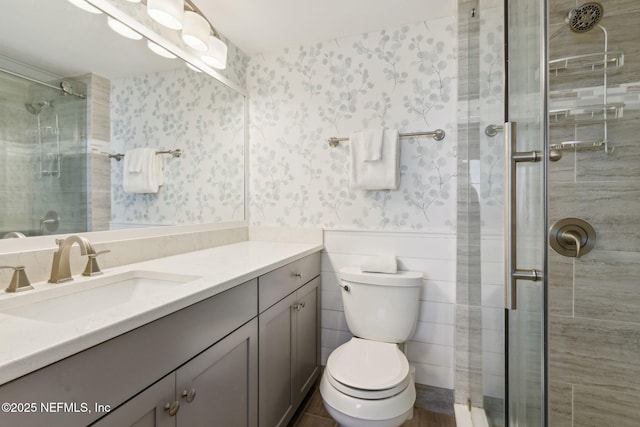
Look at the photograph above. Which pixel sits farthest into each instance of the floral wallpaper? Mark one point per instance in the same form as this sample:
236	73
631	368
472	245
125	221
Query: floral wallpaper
402	78
193	112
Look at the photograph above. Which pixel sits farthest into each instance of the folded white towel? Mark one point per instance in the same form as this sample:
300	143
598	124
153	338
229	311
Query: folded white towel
380	264
370	141
134	159
145	179
383	174
159	168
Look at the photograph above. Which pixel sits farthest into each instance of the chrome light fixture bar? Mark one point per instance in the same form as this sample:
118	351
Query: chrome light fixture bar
206	41
196	30
136	18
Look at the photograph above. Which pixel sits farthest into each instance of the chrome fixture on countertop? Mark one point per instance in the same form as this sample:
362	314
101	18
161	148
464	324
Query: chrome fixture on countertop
19	280
61	267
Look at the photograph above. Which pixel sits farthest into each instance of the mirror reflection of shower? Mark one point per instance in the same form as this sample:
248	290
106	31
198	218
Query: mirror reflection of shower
46	134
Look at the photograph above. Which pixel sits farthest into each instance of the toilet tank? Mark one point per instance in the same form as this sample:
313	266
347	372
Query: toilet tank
379	306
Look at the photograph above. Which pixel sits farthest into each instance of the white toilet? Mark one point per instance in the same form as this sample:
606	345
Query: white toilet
368	381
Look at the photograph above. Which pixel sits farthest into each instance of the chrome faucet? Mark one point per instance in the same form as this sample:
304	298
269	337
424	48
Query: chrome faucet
19	280
61	268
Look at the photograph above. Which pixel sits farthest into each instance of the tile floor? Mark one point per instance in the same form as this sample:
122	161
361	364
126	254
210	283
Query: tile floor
315	415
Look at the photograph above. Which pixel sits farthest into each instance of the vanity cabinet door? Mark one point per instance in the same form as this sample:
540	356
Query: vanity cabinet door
148	409
276	357
220	386
306	365
289	354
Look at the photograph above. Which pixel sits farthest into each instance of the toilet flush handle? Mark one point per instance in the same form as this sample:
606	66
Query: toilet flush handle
345	287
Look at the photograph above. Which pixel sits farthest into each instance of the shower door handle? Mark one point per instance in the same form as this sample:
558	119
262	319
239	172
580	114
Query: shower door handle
511	160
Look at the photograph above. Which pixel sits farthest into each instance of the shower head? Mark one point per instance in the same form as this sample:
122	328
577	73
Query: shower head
36	107
583	18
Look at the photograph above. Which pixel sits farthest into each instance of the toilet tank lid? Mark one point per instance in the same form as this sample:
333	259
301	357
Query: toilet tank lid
401	278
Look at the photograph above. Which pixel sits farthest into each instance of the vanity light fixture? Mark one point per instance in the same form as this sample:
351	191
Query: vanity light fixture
195	31
166	12
159	50
122	29
216	56
85	6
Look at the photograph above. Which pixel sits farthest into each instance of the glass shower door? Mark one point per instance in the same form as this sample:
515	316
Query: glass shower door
525	207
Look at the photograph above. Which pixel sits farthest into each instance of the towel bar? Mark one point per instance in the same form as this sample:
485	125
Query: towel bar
437	134
175	153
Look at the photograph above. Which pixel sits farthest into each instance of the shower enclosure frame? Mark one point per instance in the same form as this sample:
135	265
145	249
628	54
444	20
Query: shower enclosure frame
522	401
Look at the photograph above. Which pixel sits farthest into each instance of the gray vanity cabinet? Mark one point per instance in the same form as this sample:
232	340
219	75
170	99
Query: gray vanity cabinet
289	342
218	387
244	357
196	346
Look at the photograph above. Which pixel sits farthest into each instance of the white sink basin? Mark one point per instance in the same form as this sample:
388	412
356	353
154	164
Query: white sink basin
92	296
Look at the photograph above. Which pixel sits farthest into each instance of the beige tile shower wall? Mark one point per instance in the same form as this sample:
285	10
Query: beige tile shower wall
594	325
431	350
98	148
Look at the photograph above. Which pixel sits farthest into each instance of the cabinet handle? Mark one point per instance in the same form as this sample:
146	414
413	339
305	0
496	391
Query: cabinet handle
299	306
172	408
297	275
189	395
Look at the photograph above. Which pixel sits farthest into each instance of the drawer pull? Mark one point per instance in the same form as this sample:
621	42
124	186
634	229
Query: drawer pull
297	275
172	408
189	395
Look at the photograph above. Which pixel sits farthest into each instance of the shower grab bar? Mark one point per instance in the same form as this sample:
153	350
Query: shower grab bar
437	134
512	272
175	153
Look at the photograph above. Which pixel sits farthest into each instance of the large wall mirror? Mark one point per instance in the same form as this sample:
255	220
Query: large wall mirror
72	92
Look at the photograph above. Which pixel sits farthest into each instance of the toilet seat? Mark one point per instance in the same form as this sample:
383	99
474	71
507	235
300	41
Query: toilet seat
368	369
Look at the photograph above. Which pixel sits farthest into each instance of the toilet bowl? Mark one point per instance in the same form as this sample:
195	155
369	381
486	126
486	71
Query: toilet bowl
368	383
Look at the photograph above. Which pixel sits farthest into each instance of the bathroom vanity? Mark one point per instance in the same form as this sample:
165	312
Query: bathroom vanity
238	345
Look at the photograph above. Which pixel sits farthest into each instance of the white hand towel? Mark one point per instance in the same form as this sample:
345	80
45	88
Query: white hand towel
134	159
383	174
146	179
159	169
380	264
370	142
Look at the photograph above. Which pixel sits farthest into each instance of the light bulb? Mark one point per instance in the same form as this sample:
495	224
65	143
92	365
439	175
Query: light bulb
216	56
166	12
159	50
195	31
122	29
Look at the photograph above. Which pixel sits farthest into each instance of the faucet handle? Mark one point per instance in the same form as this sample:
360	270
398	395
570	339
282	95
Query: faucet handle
19	280
92	268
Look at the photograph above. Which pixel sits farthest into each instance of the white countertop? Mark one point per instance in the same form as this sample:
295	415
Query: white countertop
28	344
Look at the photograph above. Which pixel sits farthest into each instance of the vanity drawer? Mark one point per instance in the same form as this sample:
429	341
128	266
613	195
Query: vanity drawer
279	283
